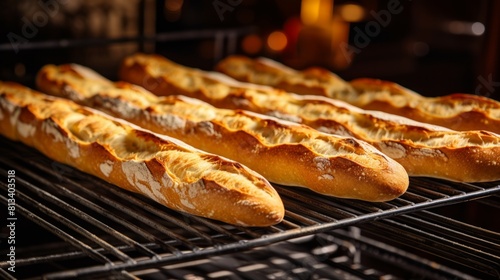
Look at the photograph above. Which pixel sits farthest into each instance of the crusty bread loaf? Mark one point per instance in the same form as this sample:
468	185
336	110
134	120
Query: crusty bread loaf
284	152
455	111
161	168
424	150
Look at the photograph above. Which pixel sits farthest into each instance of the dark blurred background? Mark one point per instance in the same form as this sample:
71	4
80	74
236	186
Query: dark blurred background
432	47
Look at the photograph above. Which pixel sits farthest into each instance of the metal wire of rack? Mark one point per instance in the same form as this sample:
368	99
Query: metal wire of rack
108	231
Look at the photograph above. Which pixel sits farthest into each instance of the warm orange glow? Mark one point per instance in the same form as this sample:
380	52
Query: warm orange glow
316	12
173	9
341	58
309	11
251	44
292	28
351	12
277	41
173	5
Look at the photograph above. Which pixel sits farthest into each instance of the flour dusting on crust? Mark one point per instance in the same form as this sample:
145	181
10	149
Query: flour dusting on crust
50	128
106	167
139	176
393	150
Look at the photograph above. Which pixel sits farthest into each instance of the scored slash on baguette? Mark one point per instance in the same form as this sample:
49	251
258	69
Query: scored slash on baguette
284	152
456	111
159	167
423	149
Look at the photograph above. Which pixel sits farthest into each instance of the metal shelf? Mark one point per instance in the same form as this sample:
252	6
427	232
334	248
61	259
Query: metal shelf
106	230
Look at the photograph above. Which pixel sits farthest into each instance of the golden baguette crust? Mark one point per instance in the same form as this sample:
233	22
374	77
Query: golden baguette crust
423	149
161	168
455	111
284	152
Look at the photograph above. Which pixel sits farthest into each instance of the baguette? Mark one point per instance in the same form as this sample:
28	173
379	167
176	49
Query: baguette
423	149
161	168
284	152
455	111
